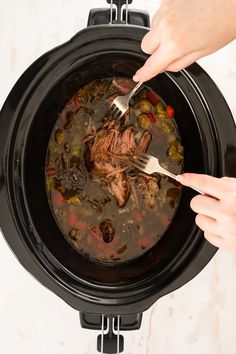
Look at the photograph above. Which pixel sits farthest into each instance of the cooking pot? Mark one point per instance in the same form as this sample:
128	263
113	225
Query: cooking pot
111	298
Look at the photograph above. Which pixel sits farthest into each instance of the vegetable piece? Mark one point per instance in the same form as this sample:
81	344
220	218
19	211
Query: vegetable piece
171	138
75	150
163	219
122	249
142	94
170	112
143	121
167	127
74	200
81	97
144	106
73	234
152	97
137	216
74	222
58	199
161	116
160	109
50	171
70	120
76	145
151	117
72	218
51	183
59	136
54	149
61	189
175	151
145	242
107	230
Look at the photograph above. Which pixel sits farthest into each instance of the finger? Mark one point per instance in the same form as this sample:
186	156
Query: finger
156	63
156	19
150	41
215	240
215	187
207	224
183	62
205	205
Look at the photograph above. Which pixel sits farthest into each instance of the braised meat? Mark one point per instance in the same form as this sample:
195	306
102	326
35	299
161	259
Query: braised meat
124	86
108	151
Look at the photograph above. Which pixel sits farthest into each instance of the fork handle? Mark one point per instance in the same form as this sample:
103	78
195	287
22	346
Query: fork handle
169	174
135	89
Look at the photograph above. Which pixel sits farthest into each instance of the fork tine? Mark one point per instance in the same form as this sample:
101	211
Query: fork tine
137	165
117	113
120	115
110	110
142	159
113	111
143	156
138	161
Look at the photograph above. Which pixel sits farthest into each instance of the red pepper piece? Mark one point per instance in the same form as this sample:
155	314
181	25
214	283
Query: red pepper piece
72	219
170	112
50	171
58	199
145	242
163	219
137	216
152	97
151	117
81	225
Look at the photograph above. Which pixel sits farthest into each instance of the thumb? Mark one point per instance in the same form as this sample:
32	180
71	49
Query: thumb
150	41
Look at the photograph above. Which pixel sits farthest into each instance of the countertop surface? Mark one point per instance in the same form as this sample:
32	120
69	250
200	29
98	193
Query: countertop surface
197	318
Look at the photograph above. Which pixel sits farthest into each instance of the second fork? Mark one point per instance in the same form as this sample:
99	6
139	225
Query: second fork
120	104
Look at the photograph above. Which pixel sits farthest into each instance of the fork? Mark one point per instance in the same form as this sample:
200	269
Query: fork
120	104
150	164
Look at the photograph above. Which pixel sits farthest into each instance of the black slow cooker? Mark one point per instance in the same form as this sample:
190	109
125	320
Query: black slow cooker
111	298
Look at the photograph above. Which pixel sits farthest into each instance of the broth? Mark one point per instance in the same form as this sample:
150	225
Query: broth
105	208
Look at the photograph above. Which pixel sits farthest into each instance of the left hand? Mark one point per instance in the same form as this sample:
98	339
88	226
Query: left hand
183	31
216	211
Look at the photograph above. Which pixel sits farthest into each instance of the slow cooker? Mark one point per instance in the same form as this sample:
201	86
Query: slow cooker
108	298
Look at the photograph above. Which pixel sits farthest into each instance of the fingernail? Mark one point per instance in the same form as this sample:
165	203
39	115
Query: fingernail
180	178
136	78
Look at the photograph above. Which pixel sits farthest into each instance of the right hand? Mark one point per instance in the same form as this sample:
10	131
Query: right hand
183	31
216	212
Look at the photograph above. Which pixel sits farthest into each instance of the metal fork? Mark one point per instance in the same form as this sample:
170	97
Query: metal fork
120	104
150	164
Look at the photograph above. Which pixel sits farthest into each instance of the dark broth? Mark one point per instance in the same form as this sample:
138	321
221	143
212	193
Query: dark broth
87	214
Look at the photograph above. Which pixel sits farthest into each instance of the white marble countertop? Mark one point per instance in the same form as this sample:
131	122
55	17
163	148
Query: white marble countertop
199	317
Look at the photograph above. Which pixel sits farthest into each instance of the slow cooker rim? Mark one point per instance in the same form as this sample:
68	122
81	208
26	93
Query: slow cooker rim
120	287
96	27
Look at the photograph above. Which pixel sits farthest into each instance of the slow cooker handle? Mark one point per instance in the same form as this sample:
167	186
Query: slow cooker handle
114	15
119	16
112	342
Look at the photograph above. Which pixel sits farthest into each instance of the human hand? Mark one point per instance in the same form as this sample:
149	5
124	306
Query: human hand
216	211
183	31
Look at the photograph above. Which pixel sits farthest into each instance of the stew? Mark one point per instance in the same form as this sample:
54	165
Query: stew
106	209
